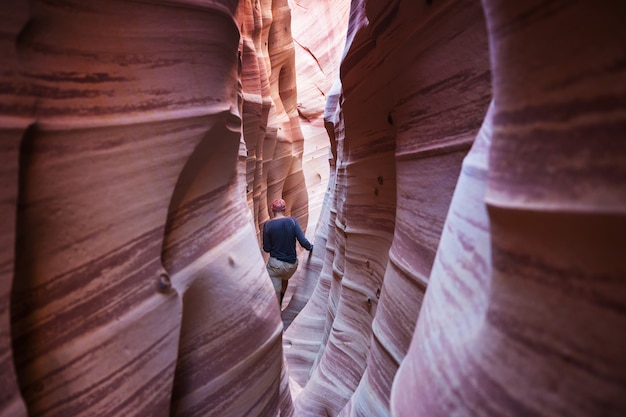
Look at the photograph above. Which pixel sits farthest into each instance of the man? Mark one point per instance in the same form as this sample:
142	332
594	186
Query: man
279	240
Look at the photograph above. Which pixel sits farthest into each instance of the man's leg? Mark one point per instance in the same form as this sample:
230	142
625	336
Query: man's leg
277	282
283	289
280	272
290	269
275	275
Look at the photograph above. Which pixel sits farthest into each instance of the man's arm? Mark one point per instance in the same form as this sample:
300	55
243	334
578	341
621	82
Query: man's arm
266	239
300	236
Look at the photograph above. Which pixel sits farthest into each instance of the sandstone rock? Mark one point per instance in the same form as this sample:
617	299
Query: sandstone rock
394	145
536	331
132	218
13	123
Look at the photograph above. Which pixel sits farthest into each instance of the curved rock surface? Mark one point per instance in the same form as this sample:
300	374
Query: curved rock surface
13	123
536	330
462	165
135	242
393	145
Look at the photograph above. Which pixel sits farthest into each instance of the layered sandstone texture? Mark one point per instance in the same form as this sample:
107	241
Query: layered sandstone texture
462	164
141	142
415	82
527	295
475	264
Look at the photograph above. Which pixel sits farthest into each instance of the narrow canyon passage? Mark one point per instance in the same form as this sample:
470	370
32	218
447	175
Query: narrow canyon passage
458	165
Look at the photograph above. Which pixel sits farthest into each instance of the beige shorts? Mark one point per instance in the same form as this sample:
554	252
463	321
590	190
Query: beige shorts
279	271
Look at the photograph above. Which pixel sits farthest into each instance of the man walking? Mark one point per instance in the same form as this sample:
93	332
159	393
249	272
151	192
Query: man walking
279	240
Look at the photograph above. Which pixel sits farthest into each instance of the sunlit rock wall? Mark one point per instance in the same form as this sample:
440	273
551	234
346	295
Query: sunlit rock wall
510	233
132	282
319	33
272	133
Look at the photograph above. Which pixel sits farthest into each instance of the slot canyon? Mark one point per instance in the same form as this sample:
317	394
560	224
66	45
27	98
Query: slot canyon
459	166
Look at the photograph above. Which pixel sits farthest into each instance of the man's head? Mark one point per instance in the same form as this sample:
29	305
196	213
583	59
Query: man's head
279	205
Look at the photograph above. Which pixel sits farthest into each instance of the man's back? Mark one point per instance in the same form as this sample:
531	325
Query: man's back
279	238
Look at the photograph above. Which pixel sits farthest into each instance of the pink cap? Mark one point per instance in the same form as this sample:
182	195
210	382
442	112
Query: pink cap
279	205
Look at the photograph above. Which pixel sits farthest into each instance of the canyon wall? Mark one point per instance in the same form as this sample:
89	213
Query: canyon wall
416	85
462	165
132	281
527	294
494	263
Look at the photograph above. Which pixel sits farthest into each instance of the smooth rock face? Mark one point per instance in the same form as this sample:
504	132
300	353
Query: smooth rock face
393	145
137	286
13	124
525	258
536	331
462	165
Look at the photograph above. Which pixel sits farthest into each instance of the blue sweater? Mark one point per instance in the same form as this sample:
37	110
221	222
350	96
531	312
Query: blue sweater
279	239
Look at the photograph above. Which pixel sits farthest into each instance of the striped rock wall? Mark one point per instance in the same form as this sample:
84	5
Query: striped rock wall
318	55
398	135
132	282
502	285
524	314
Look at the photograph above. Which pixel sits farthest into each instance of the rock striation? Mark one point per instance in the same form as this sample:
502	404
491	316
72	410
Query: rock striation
133	202
531	325
514	258
318	55
392	145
